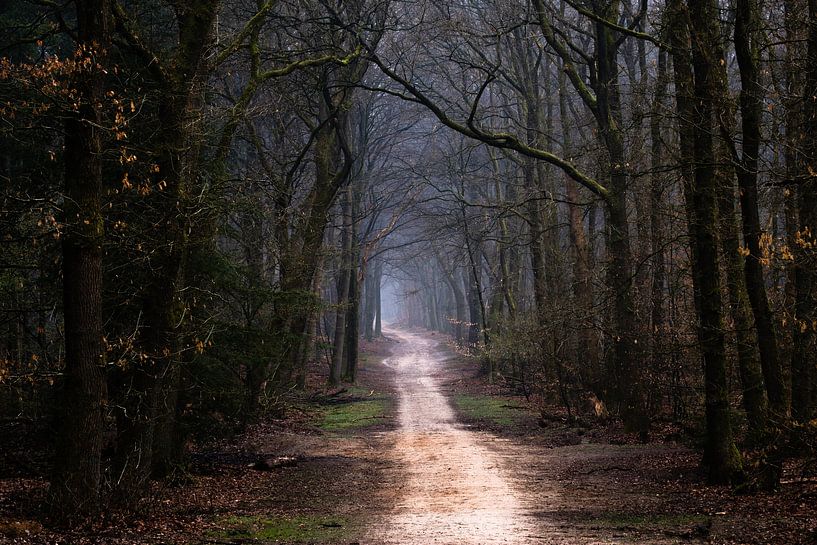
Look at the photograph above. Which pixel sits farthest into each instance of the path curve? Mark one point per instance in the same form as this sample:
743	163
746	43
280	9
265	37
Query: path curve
455	490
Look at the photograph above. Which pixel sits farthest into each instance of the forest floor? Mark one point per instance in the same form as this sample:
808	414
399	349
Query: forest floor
424	451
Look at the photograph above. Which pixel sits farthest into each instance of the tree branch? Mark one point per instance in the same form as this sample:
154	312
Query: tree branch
499	140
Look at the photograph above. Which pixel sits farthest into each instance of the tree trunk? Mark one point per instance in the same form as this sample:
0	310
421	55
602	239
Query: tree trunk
751	373
474	318
794	164
628	376
657	222
353	307
144	387
537	253
168	440
343	282
459	300
311	332
370	299
587	346
751	106
297	267
75	487
496	307
378	316
804	355
720	454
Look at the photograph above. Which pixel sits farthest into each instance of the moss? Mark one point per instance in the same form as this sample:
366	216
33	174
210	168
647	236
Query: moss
369	361
353	414
302	529
360	392
497	410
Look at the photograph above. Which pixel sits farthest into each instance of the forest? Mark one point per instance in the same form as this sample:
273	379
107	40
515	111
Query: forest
551	240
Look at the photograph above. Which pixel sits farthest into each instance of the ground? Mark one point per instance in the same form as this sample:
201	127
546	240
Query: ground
423	451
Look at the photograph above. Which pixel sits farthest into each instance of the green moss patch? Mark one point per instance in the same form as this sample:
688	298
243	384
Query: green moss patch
496	410
353	414
370	361
302	529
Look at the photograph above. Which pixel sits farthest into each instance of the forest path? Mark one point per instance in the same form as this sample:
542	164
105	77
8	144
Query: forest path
455	488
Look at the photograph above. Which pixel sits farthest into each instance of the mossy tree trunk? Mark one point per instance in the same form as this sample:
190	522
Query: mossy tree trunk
353	304
343	283
695	74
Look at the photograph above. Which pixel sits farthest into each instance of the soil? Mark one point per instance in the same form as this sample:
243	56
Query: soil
427	472
448	485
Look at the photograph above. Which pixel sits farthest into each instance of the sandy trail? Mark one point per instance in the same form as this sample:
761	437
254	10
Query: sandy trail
456	489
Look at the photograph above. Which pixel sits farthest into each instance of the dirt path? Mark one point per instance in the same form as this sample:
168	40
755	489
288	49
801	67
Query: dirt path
421	477
456	489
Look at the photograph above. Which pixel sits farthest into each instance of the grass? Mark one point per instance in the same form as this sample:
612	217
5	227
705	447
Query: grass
353	414
301	529
497	410
367	361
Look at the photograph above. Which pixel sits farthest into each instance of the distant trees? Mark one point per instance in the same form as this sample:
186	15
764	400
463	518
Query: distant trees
600	96
690	253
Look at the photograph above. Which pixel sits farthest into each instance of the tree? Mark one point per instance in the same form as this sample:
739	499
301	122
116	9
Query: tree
77	482
603	101
694	78
803	359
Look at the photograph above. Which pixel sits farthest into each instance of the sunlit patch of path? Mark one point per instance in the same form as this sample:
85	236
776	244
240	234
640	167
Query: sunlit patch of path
456	490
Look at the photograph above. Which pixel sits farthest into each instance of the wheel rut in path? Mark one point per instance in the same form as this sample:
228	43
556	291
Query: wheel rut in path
454	488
